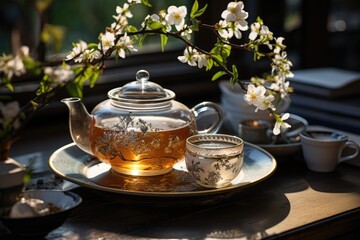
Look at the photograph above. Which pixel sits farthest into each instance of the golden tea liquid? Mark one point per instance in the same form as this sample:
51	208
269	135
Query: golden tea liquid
141	147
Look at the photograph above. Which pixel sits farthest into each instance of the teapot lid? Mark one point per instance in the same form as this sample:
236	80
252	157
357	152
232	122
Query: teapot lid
141	91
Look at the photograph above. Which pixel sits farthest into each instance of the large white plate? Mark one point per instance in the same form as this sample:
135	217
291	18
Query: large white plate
74	165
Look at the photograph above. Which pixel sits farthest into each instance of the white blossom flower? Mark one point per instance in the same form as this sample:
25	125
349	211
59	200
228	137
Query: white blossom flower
235	13
279	45
222	29
59	75
23	52
260	93
8	112
146	19
265	31
124	11
261	31
234	21
194	58
187	33
256	96
77	52
281	65
189	57
118	26
255	29
280	124
107	41
123	44
280	86
162	14
176	16
134	1
237	28
154	17
201	60
14	65
266	103
92	54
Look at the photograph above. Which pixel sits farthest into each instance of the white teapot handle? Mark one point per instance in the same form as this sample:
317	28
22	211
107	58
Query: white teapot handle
204	112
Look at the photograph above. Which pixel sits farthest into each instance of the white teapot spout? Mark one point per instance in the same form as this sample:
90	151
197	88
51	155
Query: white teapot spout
79	123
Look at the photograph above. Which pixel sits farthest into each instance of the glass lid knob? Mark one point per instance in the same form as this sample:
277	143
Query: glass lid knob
142	75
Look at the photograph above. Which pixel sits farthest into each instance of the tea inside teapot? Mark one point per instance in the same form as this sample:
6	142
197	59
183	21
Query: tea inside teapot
140	130
135	147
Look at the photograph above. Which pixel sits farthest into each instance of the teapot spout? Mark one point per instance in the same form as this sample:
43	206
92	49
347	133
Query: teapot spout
79	123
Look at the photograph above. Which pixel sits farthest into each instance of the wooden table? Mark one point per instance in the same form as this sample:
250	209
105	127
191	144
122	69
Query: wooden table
294	203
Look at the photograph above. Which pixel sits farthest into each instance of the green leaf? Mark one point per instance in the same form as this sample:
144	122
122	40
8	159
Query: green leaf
75	90
195	12
218	75
77	72
235	76
32	65
94	77
255	48
259	20
146	3
155	25
221	52
226	50
210	64
164	40
141	40
194	9
117	56
10	86
218	59
200	12
34	104
132	28
260	55
92	46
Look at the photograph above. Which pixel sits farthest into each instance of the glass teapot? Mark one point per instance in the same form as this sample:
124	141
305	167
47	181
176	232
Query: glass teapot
140	130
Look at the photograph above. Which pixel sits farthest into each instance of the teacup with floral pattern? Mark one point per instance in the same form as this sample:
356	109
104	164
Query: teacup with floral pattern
214	160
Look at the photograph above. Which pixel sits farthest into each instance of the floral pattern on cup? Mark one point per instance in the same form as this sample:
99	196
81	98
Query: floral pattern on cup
214	160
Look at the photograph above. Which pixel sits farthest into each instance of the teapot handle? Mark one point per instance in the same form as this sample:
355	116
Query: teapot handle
206	109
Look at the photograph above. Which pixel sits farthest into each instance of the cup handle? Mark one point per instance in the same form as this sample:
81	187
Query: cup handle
203	109
353	145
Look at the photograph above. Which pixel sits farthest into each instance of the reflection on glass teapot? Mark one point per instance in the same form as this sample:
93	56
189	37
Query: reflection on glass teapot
140	130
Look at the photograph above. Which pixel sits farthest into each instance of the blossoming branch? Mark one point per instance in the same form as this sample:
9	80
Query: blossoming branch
86	61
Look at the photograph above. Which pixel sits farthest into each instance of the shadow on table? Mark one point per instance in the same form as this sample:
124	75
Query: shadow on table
344	179
246	216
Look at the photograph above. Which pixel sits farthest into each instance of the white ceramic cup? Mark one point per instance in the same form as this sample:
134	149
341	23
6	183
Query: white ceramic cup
214	160
322	150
